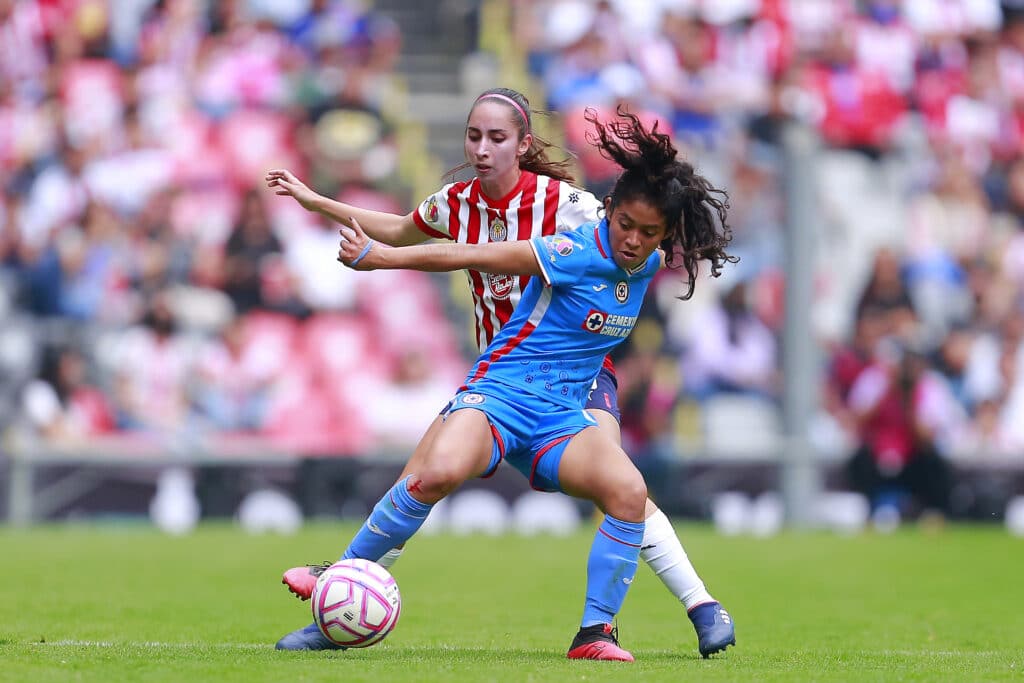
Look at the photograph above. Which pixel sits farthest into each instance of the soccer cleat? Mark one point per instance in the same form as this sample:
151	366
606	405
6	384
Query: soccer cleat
715	630
306	638
300	580
600	641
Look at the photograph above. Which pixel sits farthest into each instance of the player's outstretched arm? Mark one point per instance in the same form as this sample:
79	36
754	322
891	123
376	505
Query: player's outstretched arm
388	228
359	252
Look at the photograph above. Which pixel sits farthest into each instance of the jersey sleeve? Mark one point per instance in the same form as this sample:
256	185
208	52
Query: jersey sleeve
575	207
563	259
433	215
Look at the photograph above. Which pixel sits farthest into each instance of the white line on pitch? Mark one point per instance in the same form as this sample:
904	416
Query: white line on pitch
103	643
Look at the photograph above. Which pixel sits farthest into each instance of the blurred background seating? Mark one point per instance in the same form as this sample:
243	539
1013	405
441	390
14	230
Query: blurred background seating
133	222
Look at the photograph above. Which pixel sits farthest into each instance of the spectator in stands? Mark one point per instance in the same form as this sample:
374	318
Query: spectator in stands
847	362
1012	222
886	291
729	349
91	265
61	405
949	228
153	364
233	380
158	257
649	384
680	67
401	407
618	85
251	245
56	196
859	108
903	411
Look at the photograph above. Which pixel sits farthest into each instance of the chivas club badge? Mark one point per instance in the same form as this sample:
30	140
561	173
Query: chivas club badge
498	232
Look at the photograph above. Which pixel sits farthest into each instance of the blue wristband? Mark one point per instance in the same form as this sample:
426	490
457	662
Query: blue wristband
363	253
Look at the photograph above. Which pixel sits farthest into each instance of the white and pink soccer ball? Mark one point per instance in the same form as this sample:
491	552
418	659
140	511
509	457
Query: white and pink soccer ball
356	603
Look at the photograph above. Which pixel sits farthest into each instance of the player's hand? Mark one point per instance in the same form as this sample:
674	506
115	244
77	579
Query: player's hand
357	251
284	183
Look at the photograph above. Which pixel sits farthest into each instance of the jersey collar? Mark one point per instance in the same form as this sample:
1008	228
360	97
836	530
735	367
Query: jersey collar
503	202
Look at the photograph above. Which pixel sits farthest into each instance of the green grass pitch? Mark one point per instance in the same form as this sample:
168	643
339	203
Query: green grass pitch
121	602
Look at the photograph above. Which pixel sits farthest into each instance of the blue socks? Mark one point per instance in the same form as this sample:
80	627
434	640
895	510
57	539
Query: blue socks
611	568
393	521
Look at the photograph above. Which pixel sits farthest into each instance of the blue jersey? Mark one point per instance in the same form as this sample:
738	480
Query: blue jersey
568	320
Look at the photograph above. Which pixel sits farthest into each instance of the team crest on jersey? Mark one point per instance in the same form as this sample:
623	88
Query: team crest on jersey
430	209
498	231
622	291
501	286
473	399
595	321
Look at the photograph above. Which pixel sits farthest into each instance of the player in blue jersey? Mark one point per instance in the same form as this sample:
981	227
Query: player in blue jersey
515	193
523	401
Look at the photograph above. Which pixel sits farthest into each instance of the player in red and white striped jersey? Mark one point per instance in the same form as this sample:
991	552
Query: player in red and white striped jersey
536	205
516	193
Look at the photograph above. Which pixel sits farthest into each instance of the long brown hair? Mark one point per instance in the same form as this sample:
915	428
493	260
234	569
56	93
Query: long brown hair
694	209
536	158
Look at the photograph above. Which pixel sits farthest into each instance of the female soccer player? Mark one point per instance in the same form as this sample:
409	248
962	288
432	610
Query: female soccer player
517	194
523	399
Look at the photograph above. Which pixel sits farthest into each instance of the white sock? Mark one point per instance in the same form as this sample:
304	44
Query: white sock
390	557
663	552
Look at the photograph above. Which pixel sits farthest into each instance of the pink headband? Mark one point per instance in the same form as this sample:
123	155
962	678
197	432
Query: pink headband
506	98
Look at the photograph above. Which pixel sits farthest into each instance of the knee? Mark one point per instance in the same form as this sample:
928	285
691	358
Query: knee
434	481
627	500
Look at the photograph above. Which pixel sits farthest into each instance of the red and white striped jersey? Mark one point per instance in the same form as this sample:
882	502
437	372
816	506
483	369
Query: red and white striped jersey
538	205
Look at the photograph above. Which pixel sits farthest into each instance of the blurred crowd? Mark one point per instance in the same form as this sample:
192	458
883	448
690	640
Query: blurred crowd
165	293
919	105
150	285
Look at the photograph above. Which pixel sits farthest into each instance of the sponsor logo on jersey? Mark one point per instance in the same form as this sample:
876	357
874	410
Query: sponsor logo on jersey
473	399
622	291
600	322
501	286
498	231
595	321
430	210
600	288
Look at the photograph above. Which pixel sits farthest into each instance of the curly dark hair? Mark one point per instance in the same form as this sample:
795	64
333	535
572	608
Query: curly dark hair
536	158
694	209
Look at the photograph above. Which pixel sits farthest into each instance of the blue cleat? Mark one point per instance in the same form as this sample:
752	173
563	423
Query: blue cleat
715	630
306	638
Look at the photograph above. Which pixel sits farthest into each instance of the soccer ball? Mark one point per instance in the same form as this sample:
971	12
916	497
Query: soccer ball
356	603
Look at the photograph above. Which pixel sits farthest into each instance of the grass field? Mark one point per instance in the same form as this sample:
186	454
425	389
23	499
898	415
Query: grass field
108	603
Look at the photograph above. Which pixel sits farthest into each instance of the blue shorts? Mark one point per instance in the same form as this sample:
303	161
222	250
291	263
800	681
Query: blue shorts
605	394
529	432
